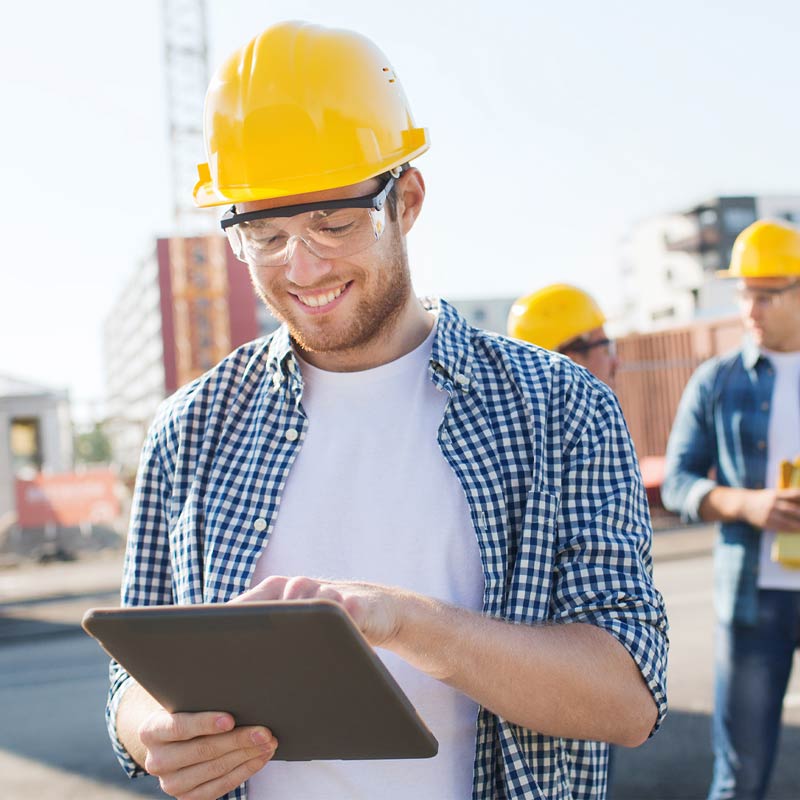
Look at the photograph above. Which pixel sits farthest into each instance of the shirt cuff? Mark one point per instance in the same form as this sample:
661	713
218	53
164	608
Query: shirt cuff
132	769
694	497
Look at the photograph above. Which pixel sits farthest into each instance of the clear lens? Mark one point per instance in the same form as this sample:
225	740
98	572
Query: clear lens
337	233
764	296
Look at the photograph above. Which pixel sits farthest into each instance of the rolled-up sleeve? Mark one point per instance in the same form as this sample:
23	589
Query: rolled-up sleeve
603	567
691	449
146	575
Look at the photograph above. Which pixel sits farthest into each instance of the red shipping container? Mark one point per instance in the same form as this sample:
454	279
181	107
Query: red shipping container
67	499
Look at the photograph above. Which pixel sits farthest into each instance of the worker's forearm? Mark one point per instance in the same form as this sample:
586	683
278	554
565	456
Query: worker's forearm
724	504
568	680
768	509
134	708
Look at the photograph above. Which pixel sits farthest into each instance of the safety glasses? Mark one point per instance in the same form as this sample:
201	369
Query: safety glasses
585	347
764	296
328	229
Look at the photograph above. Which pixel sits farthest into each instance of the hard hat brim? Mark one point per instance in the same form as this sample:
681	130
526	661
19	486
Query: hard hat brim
207	195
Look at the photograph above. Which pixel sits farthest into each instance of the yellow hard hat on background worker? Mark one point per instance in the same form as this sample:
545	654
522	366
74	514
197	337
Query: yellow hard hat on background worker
567	319
765	249
299	109
554	315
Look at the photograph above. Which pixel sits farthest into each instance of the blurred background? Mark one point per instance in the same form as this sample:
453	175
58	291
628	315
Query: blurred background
614	146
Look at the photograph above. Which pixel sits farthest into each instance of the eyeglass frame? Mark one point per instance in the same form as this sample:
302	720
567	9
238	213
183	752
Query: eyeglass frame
766	294
375	201
584	347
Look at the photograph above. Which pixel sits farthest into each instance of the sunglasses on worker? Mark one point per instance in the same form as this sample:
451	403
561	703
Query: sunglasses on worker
328	229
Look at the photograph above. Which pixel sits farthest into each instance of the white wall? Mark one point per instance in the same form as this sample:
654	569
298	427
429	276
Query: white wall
55	431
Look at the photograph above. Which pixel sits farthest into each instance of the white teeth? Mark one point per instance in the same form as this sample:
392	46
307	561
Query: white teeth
316	300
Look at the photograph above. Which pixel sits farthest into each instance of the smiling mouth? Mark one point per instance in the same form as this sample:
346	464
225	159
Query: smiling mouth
322	298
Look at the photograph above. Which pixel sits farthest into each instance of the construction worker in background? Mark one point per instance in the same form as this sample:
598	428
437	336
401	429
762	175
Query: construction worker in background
739	417
378	438
566	319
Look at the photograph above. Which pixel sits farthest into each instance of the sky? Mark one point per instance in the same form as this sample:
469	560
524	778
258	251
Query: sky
555	128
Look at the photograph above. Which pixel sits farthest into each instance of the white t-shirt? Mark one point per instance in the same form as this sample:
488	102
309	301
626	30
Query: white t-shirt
371	497
783	443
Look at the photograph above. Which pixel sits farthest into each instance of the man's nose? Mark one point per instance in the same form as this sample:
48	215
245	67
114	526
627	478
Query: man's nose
753	308
303	268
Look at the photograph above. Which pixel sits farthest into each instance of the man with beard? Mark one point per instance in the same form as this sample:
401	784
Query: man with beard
568	320
739	417
473	503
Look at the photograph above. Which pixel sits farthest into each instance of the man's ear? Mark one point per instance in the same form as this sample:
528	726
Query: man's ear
410	188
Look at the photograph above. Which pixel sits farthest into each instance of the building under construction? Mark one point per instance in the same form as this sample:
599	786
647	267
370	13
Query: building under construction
185	308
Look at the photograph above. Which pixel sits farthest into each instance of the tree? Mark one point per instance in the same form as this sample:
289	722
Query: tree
93	446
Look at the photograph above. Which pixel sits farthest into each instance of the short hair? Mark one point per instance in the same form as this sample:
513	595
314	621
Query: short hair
391	199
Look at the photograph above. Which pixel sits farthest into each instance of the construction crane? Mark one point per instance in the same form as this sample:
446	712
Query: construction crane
197	252
186	62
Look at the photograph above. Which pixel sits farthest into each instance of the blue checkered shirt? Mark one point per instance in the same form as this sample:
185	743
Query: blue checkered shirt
554	492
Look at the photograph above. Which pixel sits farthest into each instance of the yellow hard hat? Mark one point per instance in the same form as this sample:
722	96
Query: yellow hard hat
765	249
554	315
303	108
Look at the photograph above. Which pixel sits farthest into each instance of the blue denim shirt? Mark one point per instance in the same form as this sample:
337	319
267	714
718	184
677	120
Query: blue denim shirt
722	423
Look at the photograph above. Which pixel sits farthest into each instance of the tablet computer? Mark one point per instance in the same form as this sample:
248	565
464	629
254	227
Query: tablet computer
301	667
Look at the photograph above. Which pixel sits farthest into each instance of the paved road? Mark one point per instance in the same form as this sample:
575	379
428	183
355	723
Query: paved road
676	764
53	744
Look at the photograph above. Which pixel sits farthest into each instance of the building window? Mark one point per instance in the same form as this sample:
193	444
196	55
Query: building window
737	219
664	313
26	449
708	217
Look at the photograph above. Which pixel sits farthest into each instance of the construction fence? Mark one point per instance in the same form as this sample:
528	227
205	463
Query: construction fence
655	368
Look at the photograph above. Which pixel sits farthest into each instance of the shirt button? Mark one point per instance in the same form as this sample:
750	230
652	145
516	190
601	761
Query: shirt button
260	524
762	445
462	380
765	406
291	435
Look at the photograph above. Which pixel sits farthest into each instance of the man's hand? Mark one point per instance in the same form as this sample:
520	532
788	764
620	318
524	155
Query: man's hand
533	675
201	756
376	610
773	509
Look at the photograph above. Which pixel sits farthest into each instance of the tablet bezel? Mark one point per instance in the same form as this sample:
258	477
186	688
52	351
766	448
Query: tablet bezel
300	667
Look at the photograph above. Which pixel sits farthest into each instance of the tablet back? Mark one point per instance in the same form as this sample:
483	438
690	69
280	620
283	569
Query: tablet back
301	668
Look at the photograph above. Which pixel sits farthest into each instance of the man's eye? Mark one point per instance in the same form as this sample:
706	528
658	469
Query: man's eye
264	239
337	230
263	233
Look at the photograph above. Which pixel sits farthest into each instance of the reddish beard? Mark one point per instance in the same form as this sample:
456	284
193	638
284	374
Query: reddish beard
376	312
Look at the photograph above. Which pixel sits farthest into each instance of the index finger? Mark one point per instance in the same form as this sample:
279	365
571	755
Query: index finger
165	727
270	588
